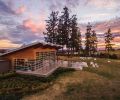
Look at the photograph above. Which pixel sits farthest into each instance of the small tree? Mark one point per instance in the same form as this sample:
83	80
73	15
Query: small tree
94	42
66	25
74	34
51	27
88	44
64	28
80	49
60	35
108	40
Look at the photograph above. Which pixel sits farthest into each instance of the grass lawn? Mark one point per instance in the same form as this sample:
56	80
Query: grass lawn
101	83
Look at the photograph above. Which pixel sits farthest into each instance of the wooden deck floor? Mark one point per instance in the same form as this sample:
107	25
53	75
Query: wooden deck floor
44	71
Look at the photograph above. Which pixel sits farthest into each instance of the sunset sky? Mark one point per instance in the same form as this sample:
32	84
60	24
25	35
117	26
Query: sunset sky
23	21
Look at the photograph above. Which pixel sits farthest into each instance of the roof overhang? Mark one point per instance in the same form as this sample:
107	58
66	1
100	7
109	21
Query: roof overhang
39	44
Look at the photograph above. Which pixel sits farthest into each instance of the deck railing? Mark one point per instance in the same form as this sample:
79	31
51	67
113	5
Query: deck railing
36	64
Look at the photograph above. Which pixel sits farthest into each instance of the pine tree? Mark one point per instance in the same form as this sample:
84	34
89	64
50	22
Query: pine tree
51	27
94	42
74	36
88	44
60	35
80	49
108	39
65	26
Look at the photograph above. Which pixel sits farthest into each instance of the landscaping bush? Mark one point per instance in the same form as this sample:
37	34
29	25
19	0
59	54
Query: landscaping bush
113	56
7	75
105	55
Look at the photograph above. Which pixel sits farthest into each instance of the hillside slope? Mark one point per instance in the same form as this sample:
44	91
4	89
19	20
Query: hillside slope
102	83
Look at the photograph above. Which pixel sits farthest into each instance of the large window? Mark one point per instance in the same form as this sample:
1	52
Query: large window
46	58
43	60
19	62
45	55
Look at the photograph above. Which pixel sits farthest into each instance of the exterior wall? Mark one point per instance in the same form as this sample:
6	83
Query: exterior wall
42	50
28	53
23	54
4	66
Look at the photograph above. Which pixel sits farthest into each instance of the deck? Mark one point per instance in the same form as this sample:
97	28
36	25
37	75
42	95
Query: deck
47	70
43	72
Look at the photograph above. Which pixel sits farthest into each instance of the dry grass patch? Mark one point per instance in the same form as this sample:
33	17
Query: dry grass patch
101	83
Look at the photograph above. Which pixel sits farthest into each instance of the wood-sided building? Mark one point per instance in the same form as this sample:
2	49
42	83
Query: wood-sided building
32	57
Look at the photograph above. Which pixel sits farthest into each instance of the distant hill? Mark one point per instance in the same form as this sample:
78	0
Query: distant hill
3	51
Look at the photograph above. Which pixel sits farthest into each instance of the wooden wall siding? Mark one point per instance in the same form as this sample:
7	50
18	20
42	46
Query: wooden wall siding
28	53
44	49
23	54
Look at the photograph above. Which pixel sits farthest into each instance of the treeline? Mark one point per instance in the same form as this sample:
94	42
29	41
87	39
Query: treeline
63	30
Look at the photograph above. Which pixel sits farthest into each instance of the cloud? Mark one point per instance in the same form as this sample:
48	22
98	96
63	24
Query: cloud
20	34
114	24
5	8
16	32
58	4
21	10
4	43
31	25
116	39
108	4
34	27
92	17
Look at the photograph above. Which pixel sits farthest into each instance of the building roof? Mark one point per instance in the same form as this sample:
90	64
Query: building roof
44	44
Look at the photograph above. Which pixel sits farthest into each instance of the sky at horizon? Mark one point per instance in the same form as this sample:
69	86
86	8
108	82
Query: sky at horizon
23	21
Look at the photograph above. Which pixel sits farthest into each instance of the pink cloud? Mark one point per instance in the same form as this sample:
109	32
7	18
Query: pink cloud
34	26
116	39
114	24
21	9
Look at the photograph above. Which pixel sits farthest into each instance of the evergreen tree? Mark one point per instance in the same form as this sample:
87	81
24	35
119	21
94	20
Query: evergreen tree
108	39
51	27
60	35
75	35
65	26
88	44
80	49
63	30
94	42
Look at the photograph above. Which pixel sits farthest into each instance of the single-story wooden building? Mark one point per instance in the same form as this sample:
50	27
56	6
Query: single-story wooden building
36	58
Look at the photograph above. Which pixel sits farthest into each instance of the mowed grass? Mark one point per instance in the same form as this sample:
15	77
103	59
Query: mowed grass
101	83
